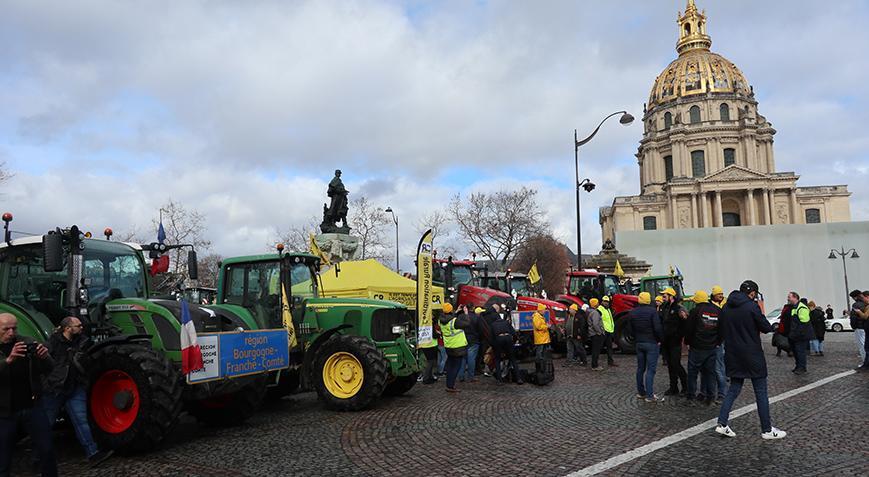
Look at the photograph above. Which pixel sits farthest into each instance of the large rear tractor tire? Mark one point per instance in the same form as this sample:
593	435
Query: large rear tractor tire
231	409
134	398
626	343
350	373
401	385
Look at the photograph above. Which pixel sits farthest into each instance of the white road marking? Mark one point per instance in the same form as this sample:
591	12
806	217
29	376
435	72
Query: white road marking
693	431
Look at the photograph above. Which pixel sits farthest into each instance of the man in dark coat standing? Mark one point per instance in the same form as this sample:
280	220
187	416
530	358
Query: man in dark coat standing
741	324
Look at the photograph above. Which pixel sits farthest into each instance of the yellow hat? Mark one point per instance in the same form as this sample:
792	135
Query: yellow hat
541	307
593	303
605	298
448	307
574	307
716	290
478	310
659	299
645	298
700	296
669	291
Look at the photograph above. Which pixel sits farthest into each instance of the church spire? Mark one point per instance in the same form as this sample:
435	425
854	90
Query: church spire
692	30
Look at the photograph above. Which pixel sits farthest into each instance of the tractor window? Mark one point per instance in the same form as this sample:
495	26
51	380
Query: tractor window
610	285
520	285
583	286
462	276
29	286
256	286
302	281
111	266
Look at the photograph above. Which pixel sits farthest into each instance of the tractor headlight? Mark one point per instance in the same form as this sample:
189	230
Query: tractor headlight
399	329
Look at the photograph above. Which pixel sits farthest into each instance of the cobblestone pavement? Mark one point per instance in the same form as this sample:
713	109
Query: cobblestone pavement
583	418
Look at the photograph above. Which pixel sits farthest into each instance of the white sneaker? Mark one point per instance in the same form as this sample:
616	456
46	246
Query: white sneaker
774	434
726	431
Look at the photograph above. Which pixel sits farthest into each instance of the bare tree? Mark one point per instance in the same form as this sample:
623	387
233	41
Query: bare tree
182	226
441	225
550	255
5	175
367	222
498	224
295	237
209	266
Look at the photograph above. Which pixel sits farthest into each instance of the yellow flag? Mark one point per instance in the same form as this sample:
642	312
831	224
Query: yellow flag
424	275
533	274
315	249
287	318
619	272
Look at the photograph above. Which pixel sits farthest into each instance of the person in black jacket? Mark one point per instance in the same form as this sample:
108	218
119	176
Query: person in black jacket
472	334
741	324
674	316
576	330
502	347
817	317
648	332
703	337
22	362
65	386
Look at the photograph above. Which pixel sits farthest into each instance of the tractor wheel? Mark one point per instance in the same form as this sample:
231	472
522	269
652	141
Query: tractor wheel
134	398
231	409
350	373
626	343
401	385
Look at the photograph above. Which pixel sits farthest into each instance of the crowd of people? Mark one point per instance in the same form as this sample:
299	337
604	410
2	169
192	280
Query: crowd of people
36	381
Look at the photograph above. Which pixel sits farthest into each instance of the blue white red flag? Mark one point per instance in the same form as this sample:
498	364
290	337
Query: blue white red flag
161	234
191	354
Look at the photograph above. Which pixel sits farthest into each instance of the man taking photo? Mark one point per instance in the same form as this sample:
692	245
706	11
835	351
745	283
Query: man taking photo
22	363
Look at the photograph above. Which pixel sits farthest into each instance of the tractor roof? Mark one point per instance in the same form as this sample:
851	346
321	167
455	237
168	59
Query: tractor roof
463	263
267	257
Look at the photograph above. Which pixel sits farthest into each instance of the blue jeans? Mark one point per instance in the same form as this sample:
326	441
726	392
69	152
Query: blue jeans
76	408
442	358
800	349
704	362
469	366
816	346
647	364
37	426
760	396
719	371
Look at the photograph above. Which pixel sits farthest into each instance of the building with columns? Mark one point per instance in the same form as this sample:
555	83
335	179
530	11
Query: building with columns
706	158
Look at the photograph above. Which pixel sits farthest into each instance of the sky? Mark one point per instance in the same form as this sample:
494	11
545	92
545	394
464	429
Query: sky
243	110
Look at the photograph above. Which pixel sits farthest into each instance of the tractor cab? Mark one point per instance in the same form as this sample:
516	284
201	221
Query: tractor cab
656	285
508	282
588	284
462	285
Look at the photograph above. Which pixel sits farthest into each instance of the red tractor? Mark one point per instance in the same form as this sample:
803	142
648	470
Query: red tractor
460	287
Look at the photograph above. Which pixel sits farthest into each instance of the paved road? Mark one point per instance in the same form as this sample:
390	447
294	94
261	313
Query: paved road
585	417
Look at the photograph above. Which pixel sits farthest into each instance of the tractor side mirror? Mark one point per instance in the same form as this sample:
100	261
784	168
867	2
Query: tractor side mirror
52	252
192	265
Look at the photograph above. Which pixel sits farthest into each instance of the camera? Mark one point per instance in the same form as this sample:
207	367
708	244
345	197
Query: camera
31	349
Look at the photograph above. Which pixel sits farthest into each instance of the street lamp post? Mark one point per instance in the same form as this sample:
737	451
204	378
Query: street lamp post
395	220
834	254
587	184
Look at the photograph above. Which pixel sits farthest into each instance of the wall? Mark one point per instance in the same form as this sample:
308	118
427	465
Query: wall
779	258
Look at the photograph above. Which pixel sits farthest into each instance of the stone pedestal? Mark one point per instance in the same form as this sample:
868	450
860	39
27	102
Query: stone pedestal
339	247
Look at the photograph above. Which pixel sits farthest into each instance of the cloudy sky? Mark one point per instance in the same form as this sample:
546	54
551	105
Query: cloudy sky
242	110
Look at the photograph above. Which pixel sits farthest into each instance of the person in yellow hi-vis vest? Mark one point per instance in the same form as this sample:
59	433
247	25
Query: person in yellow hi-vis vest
455	342
541	332
801	331
430	351
609	329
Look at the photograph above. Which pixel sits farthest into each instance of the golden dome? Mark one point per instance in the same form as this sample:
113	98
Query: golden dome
697	70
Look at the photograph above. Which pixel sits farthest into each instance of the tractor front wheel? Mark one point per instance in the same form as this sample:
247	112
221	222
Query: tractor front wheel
350	373
231	409
626	342
134	397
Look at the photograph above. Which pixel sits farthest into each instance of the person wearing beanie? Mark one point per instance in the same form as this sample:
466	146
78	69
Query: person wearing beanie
595	332
702	335
717	296
455	342
541	332
741	324
576	328
674	316
648	332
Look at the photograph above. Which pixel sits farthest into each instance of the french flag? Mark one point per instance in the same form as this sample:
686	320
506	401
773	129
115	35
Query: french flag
191	355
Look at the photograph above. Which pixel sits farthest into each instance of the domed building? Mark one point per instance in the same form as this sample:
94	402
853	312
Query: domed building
706	158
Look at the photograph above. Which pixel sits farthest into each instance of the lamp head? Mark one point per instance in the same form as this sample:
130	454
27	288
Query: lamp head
588	186
626	118
388	209
832	255
854	254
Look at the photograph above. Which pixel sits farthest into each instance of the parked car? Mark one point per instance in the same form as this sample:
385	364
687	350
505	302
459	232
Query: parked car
772	317
843	323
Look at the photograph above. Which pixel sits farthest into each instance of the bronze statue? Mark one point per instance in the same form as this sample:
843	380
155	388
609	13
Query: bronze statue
337	209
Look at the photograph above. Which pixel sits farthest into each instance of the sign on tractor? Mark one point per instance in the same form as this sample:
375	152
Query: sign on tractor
236	354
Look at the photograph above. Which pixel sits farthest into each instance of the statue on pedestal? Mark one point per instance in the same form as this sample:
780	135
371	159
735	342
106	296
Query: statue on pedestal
337	209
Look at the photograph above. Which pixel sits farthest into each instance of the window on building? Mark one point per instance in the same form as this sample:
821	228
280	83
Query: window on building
668	167
731	219
694	114
698	164
813	216
650	223
668	120
724	110
729	157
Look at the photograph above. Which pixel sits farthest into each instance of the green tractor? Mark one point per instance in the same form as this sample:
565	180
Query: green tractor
350	350
136	390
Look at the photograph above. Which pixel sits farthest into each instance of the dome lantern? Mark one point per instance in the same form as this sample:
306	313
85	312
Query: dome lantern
692	30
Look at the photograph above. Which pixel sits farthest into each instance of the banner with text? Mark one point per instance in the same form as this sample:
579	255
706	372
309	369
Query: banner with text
232	355
424	275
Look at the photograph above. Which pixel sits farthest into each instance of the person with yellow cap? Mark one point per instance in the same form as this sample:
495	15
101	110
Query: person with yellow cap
455	342
718	299
645	325
717	296
674	316
576	328
473	332
596	332
703	337
541	332
609	328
